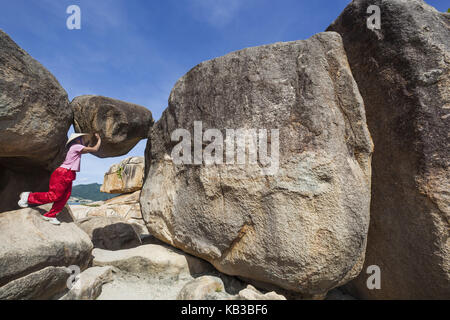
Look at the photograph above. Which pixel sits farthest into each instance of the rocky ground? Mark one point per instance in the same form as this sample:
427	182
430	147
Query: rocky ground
160	272
156	271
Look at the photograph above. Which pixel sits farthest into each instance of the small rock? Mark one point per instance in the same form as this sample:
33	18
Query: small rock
40	285
110	233
89	283
200	288
251	293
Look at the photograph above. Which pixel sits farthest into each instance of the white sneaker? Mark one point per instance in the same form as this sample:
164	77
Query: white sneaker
53	221
23	202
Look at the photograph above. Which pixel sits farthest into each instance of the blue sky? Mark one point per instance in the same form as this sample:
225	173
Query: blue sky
135	50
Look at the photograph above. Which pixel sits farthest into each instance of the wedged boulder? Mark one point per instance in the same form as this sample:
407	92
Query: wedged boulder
34	119
151	260
28	245
120	124
110	233
125	206
402	71
124	177
303	227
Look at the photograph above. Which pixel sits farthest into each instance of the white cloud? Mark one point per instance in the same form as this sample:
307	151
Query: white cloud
216	12
82	181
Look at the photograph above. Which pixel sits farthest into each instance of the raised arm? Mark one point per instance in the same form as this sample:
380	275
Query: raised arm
94	148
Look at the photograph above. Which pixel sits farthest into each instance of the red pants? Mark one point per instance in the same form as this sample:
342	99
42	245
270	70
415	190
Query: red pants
59	191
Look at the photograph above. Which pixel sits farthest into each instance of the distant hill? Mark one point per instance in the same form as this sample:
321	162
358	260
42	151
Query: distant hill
90	192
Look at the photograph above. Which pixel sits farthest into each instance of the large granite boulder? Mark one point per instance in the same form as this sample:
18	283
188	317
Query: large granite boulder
299	224
35	254
120	124
403	74
124	177
34	119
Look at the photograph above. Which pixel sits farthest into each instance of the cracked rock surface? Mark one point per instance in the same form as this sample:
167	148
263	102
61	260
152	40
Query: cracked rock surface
301	228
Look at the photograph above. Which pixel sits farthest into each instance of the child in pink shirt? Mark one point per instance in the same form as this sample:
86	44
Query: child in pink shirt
61	179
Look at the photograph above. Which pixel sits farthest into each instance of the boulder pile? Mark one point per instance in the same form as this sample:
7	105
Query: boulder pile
35	255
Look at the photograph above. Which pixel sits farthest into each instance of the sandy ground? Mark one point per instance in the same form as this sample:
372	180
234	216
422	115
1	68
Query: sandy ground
127	286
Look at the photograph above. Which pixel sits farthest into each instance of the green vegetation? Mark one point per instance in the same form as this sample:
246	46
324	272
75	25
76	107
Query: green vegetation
119	172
